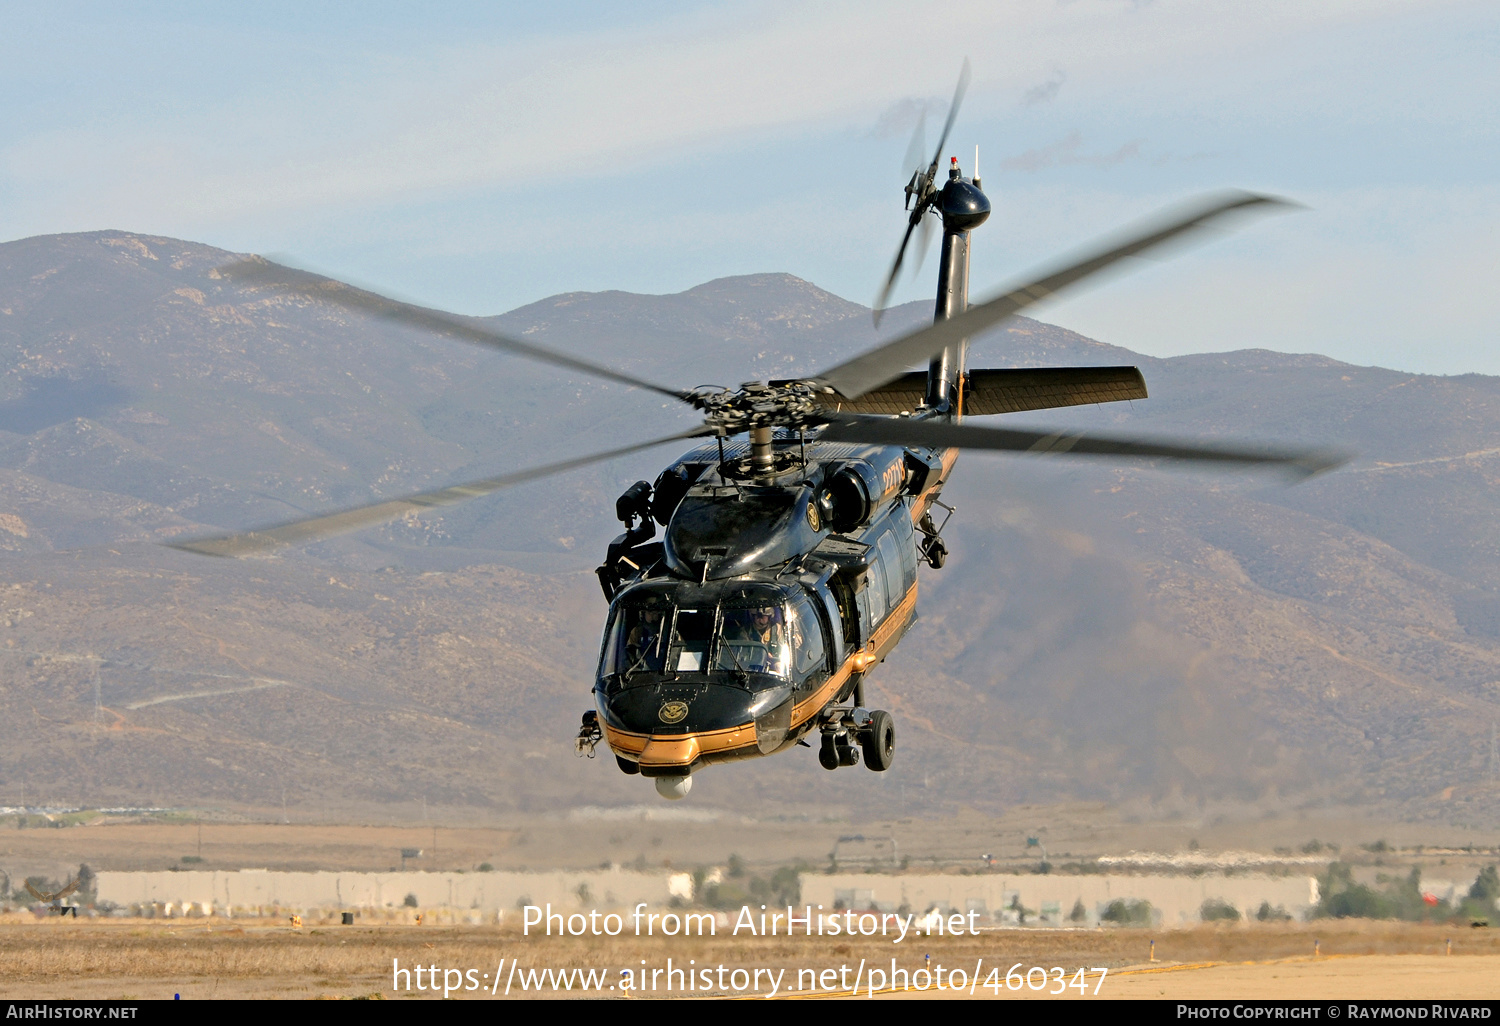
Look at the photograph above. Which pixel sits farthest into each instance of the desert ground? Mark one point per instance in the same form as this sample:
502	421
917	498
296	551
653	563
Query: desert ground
140	959
96	958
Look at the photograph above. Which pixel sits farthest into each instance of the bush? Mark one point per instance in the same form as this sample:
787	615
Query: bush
1267	914
1127	913
1479	906
1401	898
1217	910
1079	913
411	901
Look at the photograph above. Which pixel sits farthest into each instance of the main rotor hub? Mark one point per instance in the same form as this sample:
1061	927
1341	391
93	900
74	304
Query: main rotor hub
756	406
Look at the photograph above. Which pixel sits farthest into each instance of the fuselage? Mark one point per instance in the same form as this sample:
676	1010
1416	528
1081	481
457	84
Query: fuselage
766	601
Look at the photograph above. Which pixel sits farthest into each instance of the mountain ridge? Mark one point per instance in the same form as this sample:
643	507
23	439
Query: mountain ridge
1103	631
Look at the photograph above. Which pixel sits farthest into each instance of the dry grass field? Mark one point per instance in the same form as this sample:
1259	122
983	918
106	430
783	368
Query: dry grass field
222	959
657	835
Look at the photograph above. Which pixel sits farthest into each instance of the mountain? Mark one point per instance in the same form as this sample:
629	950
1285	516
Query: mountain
1101	631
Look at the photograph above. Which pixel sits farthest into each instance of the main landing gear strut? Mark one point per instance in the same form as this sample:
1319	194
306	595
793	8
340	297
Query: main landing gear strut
934	552
848	732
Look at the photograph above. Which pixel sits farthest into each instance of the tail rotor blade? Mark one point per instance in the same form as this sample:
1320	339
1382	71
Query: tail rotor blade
924	242
916	150
958	99
873	368
890	281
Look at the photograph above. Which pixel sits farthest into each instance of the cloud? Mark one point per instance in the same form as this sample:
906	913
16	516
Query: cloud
1046	92
1066	153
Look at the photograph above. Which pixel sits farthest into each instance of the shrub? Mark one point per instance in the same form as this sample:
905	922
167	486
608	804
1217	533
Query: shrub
411	901
1217	910
1401	898
1127	913
1479	906
1267	914
1079	913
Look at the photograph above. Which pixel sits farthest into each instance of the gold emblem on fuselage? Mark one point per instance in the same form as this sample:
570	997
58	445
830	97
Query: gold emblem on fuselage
814	520
673	712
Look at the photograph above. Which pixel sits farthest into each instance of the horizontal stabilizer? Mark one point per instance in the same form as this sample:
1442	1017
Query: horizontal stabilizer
1047	388
1003	391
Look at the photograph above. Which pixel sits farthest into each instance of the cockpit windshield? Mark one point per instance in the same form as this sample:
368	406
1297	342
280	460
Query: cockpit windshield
744	628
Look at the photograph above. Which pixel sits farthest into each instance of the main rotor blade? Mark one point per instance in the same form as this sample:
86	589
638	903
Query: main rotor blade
262	272
311	529
874	368
1301	463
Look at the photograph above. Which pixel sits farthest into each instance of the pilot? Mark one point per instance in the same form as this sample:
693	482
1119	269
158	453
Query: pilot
643	643
754	639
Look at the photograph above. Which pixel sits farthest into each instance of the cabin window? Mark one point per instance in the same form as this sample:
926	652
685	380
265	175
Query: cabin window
875	594
890	562
806	635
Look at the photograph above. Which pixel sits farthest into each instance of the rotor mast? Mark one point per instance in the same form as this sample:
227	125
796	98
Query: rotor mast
963	207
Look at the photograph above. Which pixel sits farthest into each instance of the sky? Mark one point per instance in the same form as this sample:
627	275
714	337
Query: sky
480	156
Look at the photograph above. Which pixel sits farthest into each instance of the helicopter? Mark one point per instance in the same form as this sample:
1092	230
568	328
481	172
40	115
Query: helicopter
793	529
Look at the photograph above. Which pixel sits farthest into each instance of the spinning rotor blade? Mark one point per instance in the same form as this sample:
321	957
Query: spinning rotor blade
890	281
258	271
958	98
855	377
311	529
1301	463
916	150
922	182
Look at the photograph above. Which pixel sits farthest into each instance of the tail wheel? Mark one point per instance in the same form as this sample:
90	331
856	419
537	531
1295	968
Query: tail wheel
880	741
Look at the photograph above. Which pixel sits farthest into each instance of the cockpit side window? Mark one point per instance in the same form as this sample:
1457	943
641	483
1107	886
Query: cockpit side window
637	639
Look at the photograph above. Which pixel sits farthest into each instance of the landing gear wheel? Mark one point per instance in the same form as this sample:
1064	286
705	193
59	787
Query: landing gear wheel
880	741
937	556
626	766
935	553
828	754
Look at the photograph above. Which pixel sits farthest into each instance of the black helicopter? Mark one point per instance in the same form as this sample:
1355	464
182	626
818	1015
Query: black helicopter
788	564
